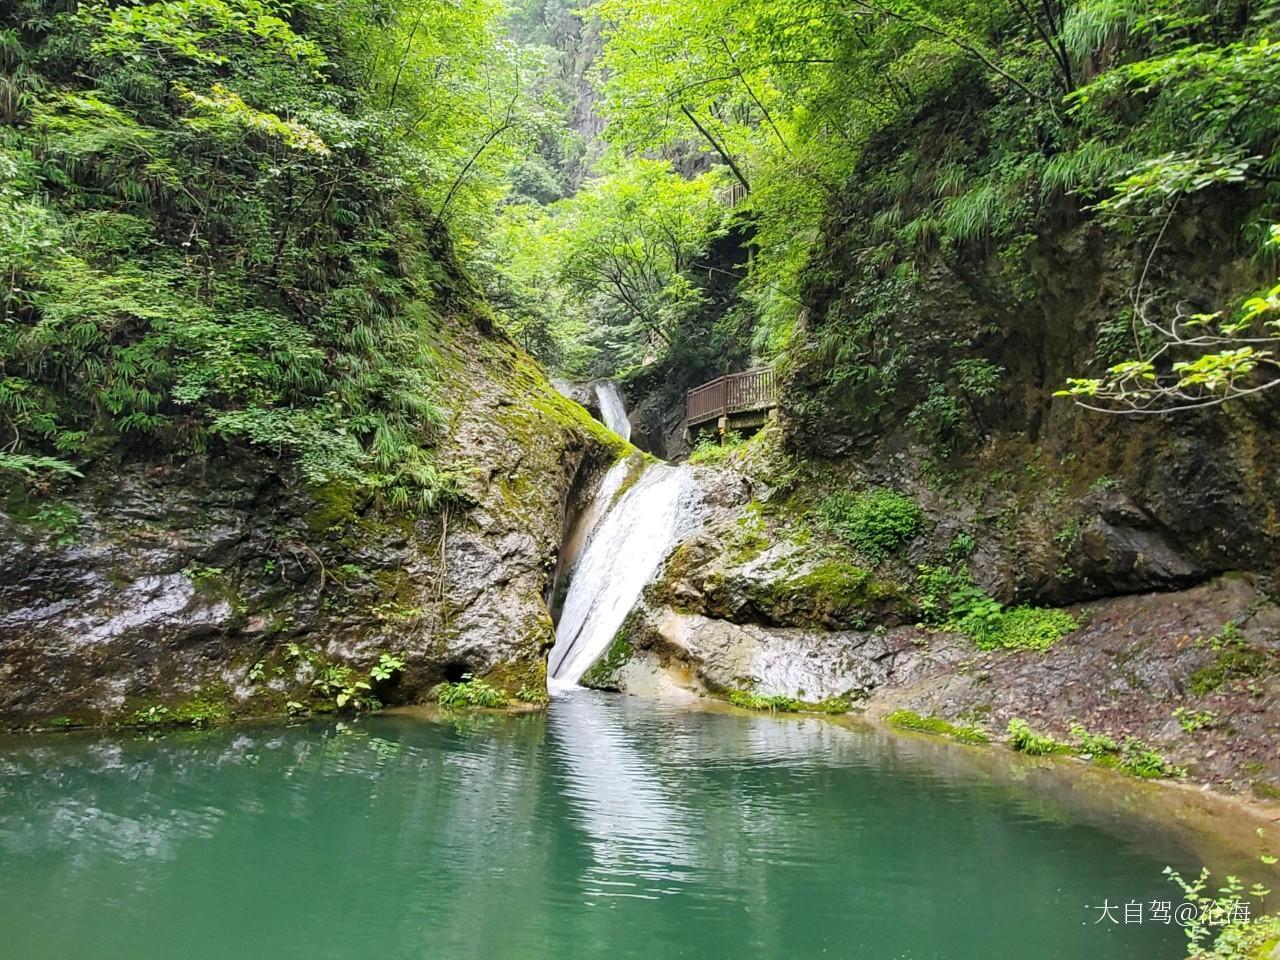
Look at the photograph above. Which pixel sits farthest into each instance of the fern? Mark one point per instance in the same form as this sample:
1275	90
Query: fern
972	215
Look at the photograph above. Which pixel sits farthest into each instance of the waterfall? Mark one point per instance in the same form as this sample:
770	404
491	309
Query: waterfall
624	551
612	410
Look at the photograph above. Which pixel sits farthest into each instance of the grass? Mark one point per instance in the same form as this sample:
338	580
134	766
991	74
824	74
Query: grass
950	598
1130	756
963	733
191	713
1020	628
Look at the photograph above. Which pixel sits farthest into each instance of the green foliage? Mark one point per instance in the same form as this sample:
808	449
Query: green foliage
603	280
758	701
1025	740
876	522
1140	760
471	692
386	667
1017	628
961	546
716	449
1194	720
1131	755
1230	665
1217	928
532	695
963	733
948	597
620	652
223	222
197	712
60	519
748	700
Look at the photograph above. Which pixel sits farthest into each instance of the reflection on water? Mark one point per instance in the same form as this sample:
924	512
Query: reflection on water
641	838
608	826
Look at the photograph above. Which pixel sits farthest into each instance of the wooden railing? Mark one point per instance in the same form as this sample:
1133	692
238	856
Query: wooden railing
732	393
732	195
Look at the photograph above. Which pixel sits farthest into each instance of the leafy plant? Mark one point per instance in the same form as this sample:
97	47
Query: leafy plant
471	692
949	598
757	701
1221	925
535	695
711	449
386	667
1194	720
961	546
876	522
1025	740
1130	755
60	519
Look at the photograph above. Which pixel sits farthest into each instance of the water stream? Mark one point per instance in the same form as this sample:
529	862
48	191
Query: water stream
633	534
612	410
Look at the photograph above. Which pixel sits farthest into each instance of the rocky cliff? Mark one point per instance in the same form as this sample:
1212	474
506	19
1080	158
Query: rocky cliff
205	587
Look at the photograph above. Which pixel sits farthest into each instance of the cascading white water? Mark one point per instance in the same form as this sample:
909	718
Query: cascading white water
624	551
612	410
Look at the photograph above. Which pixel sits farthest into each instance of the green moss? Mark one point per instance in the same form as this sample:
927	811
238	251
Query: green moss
336	507
910	720
636	467
600	674
1235	662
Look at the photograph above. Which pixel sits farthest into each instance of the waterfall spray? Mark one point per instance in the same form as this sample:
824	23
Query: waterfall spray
612	410
624	551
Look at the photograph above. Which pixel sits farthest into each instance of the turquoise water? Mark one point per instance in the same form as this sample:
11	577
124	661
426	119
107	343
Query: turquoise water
610	827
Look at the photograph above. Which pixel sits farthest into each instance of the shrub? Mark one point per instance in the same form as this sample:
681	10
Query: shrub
876	522
471	692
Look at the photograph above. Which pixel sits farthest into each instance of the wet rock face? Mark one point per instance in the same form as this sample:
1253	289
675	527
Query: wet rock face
1213	650
806	664
194	581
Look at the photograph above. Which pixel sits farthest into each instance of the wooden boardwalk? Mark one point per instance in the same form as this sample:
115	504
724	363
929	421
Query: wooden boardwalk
733	397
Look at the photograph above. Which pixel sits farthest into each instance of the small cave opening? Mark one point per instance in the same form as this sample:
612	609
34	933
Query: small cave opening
455	670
